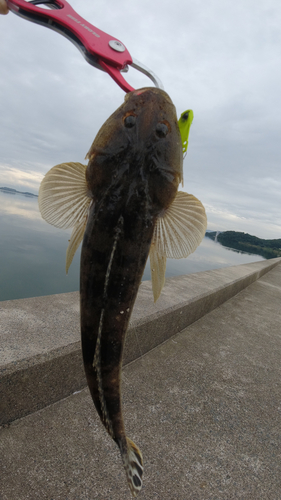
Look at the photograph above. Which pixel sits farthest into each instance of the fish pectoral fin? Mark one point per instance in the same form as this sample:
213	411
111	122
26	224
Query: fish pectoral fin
133	464
64	202
157	269
181	228
63	196
178	232
75	240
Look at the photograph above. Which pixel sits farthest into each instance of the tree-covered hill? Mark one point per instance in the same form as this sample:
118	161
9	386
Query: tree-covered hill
248	243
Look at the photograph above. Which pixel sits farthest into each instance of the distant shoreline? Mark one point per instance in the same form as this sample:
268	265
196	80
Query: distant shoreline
14	191
245	242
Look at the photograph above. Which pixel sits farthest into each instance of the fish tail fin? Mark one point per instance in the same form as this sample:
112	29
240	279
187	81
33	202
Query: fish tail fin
133	464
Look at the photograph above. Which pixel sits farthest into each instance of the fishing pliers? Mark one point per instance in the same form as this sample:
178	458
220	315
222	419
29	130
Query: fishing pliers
98	48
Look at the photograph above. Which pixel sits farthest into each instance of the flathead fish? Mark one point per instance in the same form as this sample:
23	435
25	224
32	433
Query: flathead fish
125	205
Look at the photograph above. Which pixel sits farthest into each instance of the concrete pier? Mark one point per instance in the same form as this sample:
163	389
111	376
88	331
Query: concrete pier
201	393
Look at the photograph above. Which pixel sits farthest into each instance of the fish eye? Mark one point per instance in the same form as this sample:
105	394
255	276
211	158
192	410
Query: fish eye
162	129
130	121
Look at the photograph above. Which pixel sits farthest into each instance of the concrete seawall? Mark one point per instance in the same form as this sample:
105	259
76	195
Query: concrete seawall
41	359
202	404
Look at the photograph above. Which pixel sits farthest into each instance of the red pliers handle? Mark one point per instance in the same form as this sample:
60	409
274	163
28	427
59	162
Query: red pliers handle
99	49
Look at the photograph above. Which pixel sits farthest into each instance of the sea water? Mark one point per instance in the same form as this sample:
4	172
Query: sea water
33	253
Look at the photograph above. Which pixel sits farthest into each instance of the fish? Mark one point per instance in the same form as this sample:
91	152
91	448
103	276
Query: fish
125	206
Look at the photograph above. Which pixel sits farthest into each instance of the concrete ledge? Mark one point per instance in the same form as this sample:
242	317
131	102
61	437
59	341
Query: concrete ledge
41	358
204	408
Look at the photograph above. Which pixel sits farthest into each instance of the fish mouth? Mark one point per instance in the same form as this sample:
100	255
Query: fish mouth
139	92
153	90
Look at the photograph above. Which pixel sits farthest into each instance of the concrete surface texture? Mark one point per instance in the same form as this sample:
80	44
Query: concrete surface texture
204	407
40	337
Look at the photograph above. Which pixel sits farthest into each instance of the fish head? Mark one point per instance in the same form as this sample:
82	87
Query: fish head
134	169
140	143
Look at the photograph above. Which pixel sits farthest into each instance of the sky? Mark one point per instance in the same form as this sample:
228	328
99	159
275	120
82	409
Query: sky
218	57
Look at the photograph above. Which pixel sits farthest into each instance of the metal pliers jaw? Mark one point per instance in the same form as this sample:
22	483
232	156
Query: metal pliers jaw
98	48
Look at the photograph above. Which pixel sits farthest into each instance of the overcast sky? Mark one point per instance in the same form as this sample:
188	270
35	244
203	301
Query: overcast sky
218	57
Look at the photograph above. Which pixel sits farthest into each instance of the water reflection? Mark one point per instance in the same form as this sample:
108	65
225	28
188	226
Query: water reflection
21	205
33	253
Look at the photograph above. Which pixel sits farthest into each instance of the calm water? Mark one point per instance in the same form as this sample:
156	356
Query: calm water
33	253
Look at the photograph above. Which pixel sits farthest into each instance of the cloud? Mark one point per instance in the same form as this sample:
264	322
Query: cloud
222	60
15	178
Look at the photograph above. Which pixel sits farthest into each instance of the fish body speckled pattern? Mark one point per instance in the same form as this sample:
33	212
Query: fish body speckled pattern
126	206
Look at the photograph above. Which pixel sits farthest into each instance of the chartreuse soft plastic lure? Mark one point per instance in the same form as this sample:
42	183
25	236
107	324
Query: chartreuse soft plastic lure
185	122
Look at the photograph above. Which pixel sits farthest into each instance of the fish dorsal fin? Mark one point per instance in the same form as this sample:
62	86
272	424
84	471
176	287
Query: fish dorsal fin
64	202
178	231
